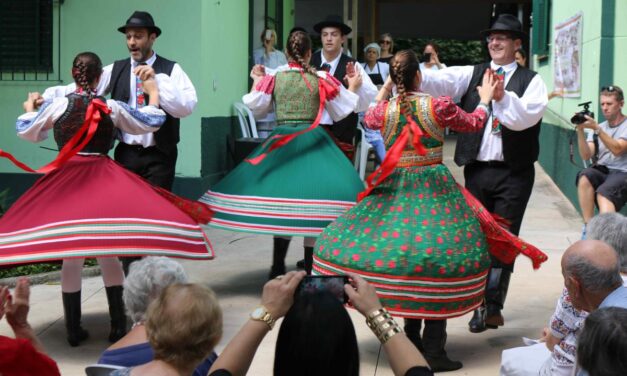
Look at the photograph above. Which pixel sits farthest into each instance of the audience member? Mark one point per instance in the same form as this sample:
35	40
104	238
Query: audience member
145	282
24	354
431	58
603	183
183	326
603	342
267	55
306	344
555	354
387	48
377	71
521	57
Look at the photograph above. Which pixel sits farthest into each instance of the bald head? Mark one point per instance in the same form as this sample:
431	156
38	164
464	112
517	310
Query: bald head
594	264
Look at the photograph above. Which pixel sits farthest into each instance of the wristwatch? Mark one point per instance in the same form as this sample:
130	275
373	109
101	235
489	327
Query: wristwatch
596	131
261	314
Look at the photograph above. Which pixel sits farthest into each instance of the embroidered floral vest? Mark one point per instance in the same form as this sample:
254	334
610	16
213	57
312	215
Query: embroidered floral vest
294	101
71	121
433	137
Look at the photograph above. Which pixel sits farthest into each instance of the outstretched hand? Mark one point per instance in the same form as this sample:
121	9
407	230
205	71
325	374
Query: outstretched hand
258	72
362	295
499	92
33	101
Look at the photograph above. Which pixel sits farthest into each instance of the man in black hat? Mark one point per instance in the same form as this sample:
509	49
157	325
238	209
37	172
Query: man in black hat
498	161
333	32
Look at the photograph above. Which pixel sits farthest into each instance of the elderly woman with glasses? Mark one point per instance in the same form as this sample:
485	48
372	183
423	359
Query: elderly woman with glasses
387	48
145	282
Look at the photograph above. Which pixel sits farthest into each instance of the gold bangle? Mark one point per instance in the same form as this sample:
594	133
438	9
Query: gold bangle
383	338
376	313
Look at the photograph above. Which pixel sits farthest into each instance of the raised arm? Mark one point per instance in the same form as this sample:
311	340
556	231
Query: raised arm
520	113
616	146
401	352
451	82
277	298
34	125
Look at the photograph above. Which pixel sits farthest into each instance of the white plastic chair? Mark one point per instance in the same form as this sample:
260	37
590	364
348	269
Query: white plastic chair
101	369
362	152
246	120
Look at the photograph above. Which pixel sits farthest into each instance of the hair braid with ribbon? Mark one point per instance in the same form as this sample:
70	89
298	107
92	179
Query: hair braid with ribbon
297	46
86	68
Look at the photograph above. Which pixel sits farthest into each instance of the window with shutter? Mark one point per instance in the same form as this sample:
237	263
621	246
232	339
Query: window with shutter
541	24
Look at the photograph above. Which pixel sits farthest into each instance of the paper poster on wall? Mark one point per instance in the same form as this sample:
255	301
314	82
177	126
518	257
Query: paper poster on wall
567	56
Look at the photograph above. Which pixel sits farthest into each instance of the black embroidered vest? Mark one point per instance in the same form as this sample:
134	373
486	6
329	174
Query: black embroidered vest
72	120
167	136
520	148
344	129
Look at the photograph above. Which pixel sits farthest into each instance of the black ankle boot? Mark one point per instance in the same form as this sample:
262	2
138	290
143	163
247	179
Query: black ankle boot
116	312
477	323
72	310
433	341
279	251
412	330
308	260
496	292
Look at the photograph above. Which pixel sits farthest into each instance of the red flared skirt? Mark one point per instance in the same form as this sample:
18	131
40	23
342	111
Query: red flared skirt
93	207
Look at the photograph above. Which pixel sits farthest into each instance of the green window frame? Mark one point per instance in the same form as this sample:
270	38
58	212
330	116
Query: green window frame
541	27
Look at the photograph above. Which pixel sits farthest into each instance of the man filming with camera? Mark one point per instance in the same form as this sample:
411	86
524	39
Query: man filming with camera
605	182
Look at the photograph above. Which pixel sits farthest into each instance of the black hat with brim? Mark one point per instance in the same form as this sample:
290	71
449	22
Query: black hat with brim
333	21
506	23
142	20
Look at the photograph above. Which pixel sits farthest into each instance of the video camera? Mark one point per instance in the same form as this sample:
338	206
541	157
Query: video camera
579	117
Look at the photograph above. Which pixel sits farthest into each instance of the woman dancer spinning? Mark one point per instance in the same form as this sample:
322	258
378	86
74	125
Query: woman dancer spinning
416	235
86	205
298	181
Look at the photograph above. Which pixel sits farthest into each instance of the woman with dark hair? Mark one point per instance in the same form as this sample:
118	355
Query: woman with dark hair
297	181
431	57
387	48
86	205
317	336
415	233
602	343
521	57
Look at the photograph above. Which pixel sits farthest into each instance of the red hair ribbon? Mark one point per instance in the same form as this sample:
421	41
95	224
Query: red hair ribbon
326	91
394	155
70	149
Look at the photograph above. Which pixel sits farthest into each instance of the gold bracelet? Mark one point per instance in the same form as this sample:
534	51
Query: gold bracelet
376	313
389	334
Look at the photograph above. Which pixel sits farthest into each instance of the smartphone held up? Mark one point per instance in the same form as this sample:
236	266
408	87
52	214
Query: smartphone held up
334	284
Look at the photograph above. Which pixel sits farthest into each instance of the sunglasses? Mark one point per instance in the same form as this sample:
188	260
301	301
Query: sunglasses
609	88
385	42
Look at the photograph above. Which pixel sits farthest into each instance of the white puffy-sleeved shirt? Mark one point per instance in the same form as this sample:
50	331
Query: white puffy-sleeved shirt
34	126
177	95
260	99
513	112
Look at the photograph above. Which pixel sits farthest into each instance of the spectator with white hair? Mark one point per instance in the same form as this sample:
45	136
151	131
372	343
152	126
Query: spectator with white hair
145	282
377	71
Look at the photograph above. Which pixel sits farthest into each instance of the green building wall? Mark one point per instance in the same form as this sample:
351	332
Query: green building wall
209	39
604	52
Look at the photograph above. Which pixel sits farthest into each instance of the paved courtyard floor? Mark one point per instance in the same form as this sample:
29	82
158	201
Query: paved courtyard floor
241	268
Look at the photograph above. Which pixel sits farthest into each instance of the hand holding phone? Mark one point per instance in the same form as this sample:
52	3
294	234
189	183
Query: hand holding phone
334	284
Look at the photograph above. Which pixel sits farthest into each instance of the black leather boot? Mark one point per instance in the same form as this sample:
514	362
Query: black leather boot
72	310
496	292
116	312
412	330
477	323
279	251
433	341
308	260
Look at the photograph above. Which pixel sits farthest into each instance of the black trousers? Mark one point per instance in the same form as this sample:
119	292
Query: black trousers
502	191
153	164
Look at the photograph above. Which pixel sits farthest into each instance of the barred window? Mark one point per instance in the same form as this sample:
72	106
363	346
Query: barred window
26	36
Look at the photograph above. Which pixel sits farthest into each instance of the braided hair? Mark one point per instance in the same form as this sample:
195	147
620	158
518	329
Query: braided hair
404	67
86	68
298	45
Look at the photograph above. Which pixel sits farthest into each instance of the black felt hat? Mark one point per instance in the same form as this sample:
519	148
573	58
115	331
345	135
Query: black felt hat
333	21
140	19
506	23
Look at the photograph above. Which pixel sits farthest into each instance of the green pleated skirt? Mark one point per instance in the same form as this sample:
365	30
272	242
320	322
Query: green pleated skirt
297	190
416	240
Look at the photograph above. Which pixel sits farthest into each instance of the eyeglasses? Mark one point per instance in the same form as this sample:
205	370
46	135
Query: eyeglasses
385	42
496	38
613	89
